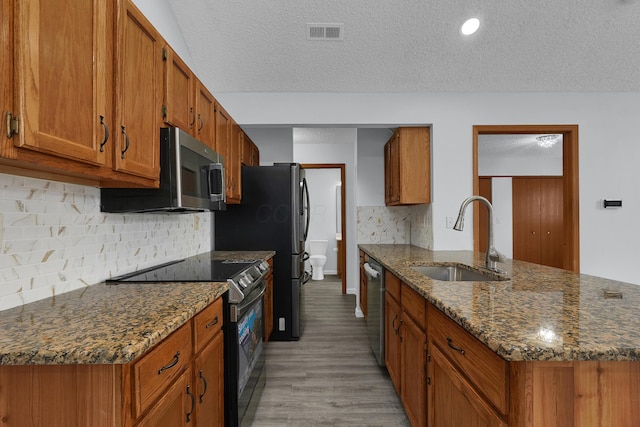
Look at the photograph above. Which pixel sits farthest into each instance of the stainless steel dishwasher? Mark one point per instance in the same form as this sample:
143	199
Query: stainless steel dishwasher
375	308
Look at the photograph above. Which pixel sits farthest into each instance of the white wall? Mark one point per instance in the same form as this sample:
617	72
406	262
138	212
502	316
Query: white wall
335	145
502	201
275	144
323	184
608	151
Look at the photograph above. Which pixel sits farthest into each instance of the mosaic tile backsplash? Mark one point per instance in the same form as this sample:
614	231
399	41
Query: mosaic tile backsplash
54	239
395	225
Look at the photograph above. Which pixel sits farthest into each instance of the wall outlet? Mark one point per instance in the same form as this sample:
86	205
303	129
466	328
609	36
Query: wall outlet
196	222
449	222
281	323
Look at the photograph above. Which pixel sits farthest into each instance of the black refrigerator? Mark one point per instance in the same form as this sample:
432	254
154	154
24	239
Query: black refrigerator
274	215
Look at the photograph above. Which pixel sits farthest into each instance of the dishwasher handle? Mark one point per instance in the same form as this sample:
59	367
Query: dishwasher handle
374	274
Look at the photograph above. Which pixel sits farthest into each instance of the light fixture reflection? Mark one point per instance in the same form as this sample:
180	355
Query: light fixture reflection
546	335
470	26
547	141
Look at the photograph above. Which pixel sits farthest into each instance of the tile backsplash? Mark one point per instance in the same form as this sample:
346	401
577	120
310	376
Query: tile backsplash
395	225
53	239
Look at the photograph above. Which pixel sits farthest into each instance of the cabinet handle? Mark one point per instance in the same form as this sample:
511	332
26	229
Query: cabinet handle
193	118
213	322
393	324
126	145
174	362
204	380
399	326
106	134
201	122
193	403
450	344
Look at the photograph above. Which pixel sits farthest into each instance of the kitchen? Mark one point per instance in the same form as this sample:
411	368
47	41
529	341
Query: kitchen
607	156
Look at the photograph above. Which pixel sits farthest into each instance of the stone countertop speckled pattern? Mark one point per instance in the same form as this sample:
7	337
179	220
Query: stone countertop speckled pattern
105	324
540	313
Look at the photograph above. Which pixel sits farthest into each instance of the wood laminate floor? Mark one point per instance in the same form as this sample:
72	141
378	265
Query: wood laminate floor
330	376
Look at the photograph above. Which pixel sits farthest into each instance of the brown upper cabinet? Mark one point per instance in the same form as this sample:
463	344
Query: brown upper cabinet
407	167
250	155
187	102
138	94
88	90
179	92
60	107
61	115
234	168
205	127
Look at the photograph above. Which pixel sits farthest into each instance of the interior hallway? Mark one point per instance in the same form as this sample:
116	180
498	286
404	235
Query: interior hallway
330	376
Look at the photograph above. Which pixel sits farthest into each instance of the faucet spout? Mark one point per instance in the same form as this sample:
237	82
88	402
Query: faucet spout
492	255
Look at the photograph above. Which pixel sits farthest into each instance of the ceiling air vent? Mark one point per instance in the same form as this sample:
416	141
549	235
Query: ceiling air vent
325	31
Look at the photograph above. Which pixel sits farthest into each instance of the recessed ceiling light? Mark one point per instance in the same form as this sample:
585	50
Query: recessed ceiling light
470	26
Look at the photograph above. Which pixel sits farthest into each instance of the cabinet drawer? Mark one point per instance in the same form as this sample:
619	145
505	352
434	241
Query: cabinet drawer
487	371
207	324
158	368
414	305
392	285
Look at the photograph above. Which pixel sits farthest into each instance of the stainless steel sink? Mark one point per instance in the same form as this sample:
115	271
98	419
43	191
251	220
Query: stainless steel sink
454	274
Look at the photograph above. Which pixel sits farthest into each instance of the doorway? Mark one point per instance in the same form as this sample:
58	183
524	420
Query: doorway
570	258
342	233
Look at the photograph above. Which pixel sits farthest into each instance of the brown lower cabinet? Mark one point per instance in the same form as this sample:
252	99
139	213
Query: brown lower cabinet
446	377
179	382
406	347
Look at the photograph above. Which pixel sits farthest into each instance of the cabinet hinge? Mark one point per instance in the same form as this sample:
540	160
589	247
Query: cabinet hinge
164	111
428	358
428	380
13	125
165	54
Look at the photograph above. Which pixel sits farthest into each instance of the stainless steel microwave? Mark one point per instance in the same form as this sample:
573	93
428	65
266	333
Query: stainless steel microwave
191	179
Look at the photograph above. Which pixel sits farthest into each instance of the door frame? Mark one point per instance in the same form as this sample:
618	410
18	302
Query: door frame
342	264
571	195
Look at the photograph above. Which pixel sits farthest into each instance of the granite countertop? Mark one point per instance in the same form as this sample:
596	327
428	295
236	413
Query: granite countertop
540	313
105	324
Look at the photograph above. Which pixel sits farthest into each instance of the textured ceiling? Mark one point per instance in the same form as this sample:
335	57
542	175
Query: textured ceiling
414	46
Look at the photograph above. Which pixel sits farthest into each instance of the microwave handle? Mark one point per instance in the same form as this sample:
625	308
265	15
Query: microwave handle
213	169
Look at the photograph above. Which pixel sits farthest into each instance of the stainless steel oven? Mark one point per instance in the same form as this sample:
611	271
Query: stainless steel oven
246	375
244	358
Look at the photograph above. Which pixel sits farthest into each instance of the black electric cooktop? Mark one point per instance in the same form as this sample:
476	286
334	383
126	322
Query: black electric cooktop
198	268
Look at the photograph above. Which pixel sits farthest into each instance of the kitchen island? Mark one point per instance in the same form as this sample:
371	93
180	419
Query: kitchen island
78	359
568	343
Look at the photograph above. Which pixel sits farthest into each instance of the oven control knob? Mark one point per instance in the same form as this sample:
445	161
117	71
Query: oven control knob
243	282
264	266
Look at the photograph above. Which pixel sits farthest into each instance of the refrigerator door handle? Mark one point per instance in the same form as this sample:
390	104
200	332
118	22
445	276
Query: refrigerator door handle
307	207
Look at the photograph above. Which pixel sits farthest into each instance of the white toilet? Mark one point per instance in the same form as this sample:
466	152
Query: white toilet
318	258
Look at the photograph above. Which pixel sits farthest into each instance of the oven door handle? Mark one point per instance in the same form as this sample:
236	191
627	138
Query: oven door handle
244	306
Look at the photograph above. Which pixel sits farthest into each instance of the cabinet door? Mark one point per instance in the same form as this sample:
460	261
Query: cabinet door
179	88
205	116
393	341
526	219
392	169
61	72
452	401
174	408
234	183
268	304
209	384
413	372
139	88
551	222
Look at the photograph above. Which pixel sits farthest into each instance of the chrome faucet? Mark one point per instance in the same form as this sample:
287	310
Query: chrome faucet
493	257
